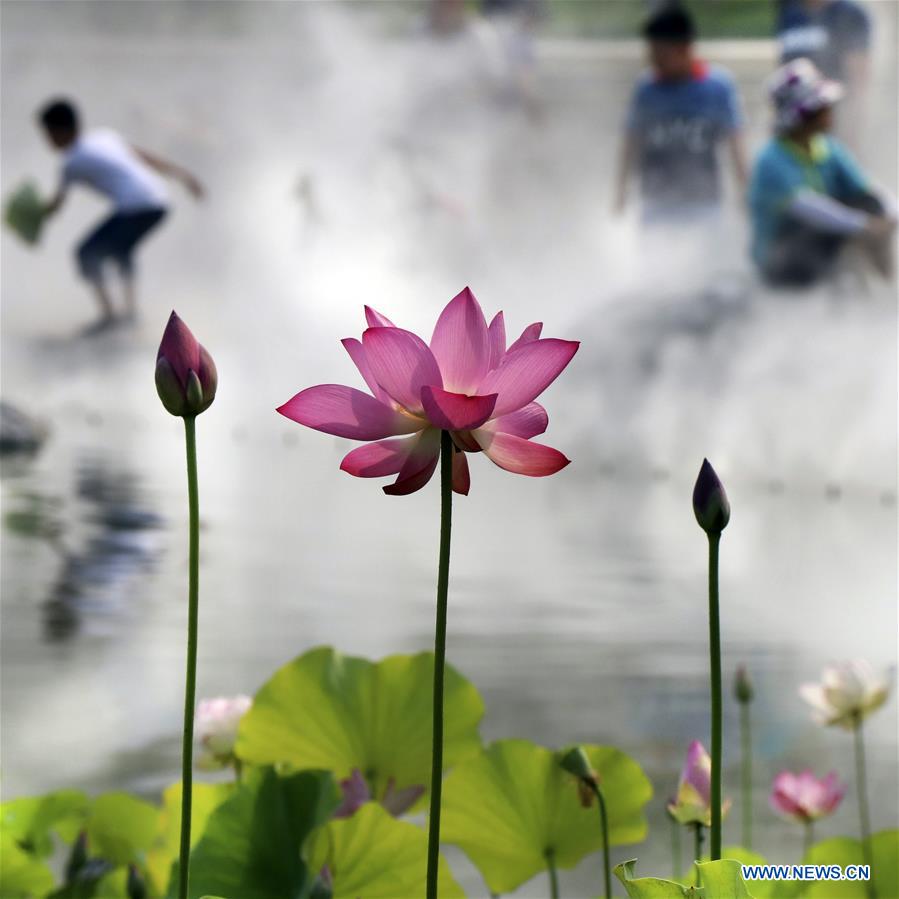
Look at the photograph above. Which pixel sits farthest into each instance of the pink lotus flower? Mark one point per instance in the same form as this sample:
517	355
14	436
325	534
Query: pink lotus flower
805	798
693	803
467	382
186	377
356	793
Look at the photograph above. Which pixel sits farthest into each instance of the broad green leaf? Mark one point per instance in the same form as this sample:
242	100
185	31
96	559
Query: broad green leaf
374	856
846	851
167	845
720	880
22	876
121	828
650	887
512	804
30	819
723	880
334	712
251	847
761	889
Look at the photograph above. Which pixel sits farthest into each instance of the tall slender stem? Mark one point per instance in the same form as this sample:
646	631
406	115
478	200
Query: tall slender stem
697	852
553	874
746	772
676	853
861	787
604	825
715	665
446	519
190	680
809	838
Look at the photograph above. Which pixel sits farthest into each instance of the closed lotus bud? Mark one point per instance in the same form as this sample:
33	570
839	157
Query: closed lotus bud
136	888
186	378
576	762
710	503
743	691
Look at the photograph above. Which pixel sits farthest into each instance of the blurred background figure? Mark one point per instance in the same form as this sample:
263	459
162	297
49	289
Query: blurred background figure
808	196
836	36
129	177
681	112
515	23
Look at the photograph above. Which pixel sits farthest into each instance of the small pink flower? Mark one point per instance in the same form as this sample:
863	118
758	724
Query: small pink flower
805	798
356	793
693	803
467	382
186	378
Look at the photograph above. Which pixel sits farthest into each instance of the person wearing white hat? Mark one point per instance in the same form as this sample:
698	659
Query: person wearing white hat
807	195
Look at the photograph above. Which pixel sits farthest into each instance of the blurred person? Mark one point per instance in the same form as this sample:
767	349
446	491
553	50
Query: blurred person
808	197
680	113
515	24
836	36
129	177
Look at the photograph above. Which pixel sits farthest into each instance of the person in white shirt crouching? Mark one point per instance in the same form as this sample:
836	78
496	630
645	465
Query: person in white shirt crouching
130	178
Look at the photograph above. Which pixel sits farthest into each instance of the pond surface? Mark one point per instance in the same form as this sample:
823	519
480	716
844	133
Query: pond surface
577	602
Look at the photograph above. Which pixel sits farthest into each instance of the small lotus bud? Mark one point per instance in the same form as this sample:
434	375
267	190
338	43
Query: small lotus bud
78	858
136	887
186	377
576	762
743	691
710	503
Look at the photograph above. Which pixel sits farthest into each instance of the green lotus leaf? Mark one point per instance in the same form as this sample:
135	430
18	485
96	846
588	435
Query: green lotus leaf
120	828
334	712
372	855
511	805
22	876
252	845
167	845
723	880
845	851
761	889
31	819
720	880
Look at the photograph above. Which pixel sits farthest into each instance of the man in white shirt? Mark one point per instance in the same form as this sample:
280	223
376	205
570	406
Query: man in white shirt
130	178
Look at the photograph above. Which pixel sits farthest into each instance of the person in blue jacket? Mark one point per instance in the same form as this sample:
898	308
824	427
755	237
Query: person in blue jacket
682	113
808	197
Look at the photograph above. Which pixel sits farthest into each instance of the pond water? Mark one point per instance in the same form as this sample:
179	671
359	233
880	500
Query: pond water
348	165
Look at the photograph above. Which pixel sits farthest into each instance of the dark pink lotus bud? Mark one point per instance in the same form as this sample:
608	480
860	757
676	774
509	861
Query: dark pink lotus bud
186	378
710	503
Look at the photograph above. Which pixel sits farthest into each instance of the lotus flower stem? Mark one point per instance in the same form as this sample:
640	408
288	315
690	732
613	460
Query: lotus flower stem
446	521
697	852
676	869
190	687
809	838
861	787
715	665
604	824
553	874
746	772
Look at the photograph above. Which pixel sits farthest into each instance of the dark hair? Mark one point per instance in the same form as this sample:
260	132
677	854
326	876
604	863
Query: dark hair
672	24
59	115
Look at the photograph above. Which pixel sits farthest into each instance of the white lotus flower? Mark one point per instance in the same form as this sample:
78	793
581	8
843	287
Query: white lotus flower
847	694
216	729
